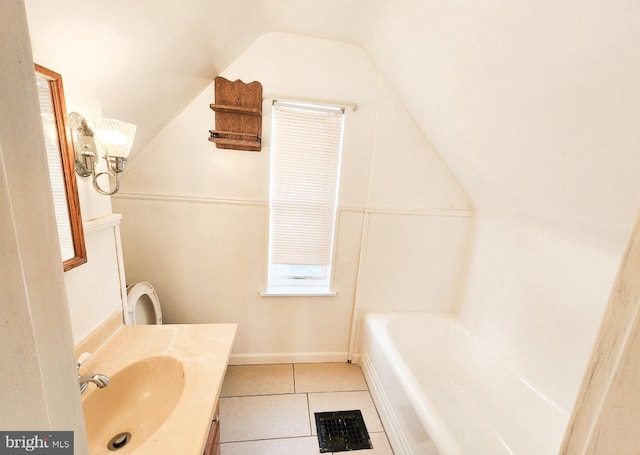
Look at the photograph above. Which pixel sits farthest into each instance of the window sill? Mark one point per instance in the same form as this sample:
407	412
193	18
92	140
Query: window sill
305	292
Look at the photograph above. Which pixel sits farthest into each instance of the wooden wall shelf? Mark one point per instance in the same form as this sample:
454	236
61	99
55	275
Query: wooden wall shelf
239	141
238	115
235	109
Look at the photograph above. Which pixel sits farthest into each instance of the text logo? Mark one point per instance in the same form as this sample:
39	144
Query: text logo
36	442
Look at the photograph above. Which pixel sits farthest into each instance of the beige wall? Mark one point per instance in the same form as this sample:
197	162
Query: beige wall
195	217
38	383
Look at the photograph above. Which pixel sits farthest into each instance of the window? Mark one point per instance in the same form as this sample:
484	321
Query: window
306	144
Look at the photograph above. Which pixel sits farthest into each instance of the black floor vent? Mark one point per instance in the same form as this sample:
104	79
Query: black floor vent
341	431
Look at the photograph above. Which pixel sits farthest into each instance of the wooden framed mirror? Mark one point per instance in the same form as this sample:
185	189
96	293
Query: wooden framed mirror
61	169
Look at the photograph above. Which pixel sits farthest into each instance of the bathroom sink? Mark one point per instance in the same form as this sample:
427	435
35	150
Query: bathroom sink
136	402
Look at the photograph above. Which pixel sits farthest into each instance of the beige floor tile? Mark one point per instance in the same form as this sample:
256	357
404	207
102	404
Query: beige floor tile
289	446
345	401
380	445
263	417
244	380
328	377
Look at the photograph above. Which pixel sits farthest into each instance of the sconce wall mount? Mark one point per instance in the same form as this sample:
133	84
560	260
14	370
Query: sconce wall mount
84	145
115	136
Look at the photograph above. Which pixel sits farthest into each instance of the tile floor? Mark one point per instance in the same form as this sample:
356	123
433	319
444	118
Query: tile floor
269	409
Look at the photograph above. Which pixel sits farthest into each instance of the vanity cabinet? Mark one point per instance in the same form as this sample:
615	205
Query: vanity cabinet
179	367
212	447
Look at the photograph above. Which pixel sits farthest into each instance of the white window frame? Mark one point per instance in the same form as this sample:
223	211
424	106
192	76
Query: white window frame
303	279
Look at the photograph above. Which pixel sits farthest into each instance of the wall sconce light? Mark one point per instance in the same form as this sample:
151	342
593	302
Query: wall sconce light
116	138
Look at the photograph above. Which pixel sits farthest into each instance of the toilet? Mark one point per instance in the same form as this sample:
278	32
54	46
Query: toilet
143	305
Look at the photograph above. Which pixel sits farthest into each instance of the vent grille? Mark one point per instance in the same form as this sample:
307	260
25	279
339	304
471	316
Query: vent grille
342	431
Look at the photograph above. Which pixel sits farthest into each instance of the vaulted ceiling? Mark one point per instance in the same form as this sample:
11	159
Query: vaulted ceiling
534	105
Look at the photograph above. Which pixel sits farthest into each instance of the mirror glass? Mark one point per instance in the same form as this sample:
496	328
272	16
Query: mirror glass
60	158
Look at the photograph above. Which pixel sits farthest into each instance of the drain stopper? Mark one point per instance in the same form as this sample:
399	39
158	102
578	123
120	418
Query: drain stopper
119	441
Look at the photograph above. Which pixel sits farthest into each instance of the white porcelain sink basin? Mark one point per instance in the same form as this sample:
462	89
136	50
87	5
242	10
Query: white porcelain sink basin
137	401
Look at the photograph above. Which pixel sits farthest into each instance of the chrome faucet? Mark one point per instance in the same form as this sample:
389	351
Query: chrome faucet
101	380
98	379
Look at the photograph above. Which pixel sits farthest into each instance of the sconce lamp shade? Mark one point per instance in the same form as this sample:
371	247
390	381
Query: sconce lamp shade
117	136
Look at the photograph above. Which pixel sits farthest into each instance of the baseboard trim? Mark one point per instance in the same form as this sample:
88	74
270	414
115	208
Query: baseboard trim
287	357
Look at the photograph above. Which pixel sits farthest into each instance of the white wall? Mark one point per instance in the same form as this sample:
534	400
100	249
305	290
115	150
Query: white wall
94	288
195	217
606	415
38	384
532	105
417	223
537	291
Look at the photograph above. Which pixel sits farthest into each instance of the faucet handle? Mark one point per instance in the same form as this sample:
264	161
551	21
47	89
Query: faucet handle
82	359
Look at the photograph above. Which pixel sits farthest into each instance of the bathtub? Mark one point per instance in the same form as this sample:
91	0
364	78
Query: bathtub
441	391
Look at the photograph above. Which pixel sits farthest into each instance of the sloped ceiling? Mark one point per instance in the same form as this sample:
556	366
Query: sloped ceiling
534	105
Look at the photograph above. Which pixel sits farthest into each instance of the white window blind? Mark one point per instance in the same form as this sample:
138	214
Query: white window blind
55	169
305	166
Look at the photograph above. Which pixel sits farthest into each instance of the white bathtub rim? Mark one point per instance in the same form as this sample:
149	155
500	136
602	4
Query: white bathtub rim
452	320
438	430
434	426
